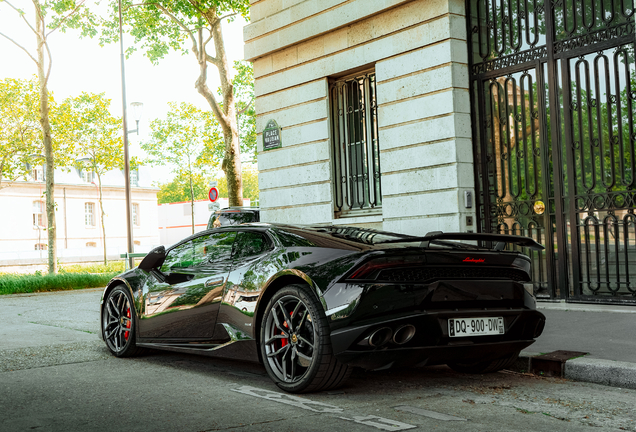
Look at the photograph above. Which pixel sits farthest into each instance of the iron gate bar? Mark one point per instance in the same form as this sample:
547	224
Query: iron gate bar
561	202
545	161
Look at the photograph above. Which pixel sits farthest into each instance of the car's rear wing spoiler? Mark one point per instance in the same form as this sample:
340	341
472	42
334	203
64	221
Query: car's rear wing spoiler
500	240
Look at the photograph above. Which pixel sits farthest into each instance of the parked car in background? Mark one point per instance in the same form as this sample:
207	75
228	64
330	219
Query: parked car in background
310	303
234	216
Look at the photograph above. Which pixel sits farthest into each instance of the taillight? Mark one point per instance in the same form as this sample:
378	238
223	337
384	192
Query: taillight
370	269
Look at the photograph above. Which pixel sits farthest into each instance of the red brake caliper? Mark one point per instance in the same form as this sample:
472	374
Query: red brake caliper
126	333
284	342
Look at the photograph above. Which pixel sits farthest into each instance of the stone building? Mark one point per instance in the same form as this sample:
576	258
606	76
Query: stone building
424	115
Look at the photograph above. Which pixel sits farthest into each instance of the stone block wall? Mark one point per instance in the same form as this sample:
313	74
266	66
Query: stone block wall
418	49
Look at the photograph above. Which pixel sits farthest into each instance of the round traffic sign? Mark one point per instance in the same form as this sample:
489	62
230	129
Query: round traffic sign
213	194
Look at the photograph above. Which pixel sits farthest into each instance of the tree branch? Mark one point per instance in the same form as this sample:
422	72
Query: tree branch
180	24
21	15
241	112
48	71
20	46
65	18
228	16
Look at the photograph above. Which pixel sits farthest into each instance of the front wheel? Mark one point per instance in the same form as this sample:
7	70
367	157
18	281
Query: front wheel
295	345
118	323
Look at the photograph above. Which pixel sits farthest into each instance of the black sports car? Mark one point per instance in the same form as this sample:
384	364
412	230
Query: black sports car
310	303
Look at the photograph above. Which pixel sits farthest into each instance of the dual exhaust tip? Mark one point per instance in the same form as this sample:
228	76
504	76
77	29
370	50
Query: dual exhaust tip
384	335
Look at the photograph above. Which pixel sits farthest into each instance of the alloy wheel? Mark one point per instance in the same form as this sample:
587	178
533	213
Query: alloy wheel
117	321
290	339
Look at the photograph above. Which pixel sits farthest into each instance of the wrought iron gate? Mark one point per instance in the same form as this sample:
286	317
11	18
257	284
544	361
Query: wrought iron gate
553	90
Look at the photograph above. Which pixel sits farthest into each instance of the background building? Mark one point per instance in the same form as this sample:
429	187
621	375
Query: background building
23	236
419	115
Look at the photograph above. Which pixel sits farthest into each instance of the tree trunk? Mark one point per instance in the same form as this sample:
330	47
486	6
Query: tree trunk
101	207
227	117
48	144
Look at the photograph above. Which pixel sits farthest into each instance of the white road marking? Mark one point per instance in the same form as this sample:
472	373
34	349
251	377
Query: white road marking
380	423
289	400
319	407
427	413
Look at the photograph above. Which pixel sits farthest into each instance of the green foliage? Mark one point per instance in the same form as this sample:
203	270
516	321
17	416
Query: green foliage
250	183
20	132
13	284
180	139
88	127
243	84
112	267
153	23
178	190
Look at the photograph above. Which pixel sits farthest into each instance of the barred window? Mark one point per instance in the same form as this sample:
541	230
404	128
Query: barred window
356	149
89	214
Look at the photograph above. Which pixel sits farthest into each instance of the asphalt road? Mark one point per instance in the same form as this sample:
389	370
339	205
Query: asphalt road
56	375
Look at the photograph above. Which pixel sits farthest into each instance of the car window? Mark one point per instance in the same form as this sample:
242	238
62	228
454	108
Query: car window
199	251
219	246
231	218
250	244
179	258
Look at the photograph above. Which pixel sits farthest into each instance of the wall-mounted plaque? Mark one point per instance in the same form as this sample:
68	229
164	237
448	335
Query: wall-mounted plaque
272	136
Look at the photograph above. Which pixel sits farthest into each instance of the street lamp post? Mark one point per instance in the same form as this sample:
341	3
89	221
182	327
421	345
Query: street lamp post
135	106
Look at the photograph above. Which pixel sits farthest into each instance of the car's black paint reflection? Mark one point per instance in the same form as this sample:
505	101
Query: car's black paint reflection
209	294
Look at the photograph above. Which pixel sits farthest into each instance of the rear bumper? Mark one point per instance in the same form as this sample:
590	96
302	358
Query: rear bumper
432	344
405	357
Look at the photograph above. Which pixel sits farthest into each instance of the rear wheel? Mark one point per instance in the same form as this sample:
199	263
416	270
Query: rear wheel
485	367
295	345
118	323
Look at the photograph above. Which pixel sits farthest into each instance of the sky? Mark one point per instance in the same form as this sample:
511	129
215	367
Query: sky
82	65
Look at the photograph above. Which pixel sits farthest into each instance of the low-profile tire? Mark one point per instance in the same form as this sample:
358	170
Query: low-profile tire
295	345
119	323
485	367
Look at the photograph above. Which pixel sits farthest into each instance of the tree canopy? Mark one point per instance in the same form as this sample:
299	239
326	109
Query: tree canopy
20	132
191	26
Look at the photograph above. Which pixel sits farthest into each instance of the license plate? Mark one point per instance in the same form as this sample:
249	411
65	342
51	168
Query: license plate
459	327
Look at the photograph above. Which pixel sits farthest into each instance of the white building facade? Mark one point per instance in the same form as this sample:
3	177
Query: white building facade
23	235
373	104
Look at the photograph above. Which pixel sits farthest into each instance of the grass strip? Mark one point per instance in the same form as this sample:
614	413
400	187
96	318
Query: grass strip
16	284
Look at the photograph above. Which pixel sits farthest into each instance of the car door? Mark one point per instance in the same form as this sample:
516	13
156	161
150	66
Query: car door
186	303
254	261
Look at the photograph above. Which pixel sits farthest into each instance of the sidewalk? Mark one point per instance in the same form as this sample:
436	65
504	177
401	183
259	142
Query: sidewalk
607	333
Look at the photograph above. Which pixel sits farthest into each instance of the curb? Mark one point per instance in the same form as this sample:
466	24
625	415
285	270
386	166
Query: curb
606	372
598	371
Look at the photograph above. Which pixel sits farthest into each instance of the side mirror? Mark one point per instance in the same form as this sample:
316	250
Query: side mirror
154	259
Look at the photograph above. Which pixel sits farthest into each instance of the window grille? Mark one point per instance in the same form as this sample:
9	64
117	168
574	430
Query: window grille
89	214
356	149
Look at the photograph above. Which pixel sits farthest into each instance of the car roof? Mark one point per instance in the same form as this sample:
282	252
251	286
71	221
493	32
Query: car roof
234	209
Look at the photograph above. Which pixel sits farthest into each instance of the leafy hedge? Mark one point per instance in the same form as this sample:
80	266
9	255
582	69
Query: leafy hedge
38	282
